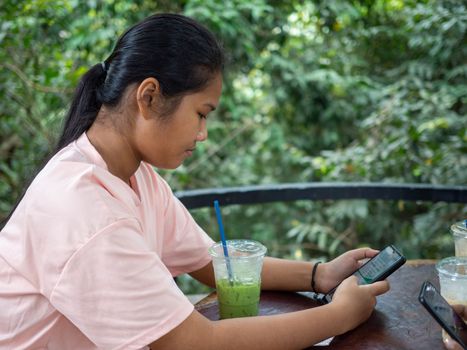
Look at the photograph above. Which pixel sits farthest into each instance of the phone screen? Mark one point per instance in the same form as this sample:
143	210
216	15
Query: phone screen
377	268
443	313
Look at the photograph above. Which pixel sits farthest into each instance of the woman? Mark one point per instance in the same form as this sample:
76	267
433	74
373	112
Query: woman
87	259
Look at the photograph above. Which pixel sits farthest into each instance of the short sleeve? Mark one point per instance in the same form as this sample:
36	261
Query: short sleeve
186	247
118	292
184	243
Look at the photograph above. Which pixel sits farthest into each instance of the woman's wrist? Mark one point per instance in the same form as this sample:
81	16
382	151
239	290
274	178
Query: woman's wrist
340	319
313	277
319	278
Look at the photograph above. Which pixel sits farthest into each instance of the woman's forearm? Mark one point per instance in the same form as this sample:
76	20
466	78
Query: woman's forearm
277	274
280	274
295	330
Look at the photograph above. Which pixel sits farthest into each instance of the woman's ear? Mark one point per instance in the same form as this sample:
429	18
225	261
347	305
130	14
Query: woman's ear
148	97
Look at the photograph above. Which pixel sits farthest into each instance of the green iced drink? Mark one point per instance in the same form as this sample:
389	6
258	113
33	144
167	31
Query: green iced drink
242	265
238	299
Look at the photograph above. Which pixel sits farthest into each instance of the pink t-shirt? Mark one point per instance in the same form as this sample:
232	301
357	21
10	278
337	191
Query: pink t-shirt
86	262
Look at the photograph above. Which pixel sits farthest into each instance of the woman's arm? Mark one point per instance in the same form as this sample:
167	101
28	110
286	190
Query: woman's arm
280	274
291	275
294	275
352	304
277	274
205	275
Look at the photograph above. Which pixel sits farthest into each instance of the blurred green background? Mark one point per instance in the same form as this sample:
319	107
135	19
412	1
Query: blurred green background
314	91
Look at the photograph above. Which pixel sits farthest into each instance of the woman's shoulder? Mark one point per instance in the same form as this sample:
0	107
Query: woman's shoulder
75	187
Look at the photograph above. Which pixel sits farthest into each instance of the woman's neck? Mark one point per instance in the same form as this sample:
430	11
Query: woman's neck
115	148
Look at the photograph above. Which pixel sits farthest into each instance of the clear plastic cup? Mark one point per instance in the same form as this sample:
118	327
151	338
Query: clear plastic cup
452	273
459	232
238	293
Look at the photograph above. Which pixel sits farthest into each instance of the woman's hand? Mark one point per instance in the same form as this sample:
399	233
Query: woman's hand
461	310
330	274
357	301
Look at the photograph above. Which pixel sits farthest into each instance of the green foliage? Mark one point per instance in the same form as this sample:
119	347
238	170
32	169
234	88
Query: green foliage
314	91
416	128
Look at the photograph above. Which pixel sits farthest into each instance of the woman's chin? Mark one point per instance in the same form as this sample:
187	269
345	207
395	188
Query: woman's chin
169	166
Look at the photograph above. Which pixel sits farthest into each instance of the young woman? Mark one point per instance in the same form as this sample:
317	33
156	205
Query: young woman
87	258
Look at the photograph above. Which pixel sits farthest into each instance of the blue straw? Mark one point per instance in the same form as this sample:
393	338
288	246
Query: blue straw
224	243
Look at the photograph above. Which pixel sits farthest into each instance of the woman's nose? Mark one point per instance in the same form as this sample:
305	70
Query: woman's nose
203	133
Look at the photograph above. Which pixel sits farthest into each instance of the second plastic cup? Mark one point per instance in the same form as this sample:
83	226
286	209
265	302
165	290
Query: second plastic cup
459	231
238	293
452	273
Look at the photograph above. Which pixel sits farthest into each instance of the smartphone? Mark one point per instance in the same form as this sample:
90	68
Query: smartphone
443	313
376	269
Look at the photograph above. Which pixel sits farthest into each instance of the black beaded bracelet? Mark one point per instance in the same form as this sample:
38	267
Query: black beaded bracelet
313	273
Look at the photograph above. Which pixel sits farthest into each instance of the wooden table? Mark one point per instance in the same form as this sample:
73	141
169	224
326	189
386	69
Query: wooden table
399	321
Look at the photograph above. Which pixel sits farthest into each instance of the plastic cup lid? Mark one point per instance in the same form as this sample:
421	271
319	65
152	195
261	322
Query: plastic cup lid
239	249
453	267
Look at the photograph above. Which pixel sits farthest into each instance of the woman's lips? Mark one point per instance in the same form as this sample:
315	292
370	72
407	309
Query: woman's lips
190	151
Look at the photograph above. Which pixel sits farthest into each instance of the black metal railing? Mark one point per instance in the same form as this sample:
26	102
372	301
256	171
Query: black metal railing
321	191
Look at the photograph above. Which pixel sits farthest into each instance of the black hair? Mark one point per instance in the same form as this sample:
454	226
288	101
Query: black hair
176	50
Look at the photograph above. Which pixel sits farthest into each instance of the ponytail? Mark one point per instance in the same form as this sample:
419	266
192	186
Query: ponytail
84	106
82	113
